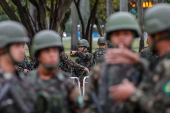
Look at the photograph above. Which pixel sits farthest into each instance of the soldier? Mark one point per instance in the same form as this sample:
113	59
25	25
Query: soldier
146	52
153	93
66	62
15	92
121	29
98	55
84	59
55	90
24	66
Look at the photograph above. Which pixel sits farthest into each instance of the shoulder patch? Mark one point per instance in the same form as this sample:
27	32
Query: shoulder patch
166	88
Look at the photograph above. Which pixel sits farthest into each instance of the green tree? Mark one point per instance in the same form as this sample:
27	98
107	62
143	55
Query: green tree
58	12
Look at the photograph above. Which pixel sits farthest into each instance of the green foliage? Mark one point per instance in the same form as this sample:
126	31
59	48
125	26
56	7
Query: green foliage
101	10
4	17
167	1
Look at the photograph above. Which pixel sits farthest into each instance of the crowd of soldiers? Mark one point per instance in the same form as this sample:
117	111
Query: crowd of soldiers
121	81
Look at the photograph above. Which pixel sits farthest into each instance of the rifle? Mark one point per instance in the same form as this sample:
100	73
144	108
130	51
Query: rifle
9	96
95	101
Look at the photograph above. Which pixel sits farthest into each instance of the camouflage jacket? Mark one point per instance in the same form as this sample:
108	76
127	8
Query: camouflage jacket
24	65
101	78
84	59
66	62
153	94
147	54
21	86
98	55
55	91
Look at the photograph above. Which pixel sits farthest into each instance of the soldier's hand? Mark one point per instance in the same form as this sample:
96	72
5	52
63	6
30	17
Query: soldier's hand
25	70
73	52
86	69
122	91
121	55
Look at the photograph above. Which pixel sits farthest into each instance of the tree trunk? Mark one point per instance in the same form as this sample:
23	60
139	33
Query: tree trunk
98	27
140	20
124	5
33	14
109	7
74	30
85	12
160	1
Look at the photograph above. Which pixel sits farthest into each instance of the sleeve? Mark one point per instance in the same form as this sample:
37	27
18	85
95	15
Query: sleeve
153	93
71	63
95	74
85	56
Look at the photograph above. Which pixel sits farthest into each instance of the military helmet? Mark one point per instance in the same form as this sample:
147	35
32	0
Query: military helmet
45	39
12	32
156	18
83	43
122	21
101	41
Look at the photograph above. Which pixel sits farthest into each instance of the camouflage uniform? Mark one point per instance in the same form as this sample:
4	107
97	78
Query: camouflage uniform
58	88
23	88
153	94
85	59
99	83
146	53
105	75
14	83
66	62
98	55
24	65
53	95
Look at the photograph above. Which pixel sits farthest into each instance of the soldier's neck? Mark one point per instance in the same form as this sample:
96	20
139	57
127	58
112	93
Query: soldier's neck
6	64
45	74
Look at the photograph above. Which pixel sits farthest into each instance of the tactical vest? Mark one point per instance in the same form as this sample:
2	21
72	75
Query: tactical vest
99	55
84	63
51	100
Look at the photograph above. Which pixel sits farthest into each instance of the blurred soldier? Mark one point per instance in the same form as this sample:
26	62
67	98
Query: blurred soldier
55	90
121	29
24	66
147	53
66	62
84	58
15	95
153	93
98	55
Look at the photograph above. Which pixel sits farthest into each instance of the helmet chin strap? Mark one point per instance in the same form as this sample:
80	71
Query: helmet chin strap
83	49
49	67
